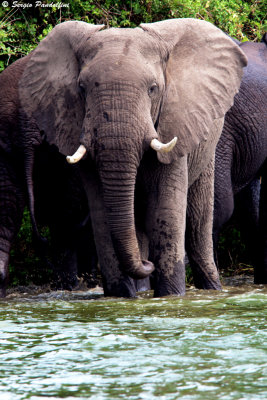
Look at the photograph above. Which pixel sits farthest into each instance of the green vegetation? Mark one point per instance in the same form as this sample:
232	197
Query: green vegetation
23	26
233	255
26	264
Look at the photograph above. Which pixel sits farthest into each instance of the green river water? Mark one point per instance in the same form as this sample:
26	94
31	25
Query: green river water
80	345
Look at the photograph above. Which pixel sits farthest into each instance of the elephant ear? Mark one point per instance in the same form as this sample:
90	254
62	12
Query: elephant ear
49	88
203	74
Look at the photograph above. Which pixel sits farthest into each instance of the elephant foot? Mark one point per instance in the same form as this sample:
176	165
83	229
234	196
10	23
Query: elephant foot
206	277
170	284
124	287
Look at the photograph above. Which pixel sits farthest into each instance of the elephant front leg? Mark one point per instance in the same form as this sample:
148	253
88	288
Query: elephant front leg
166	228
199	244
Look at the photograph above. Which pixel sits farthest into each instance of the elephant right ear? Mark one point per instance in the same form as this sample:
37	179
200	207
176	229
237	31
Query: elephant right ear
203	74
49	89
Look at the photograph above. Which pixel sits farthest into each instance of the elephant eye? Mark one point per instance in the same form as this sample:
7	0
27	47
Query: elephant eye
153	89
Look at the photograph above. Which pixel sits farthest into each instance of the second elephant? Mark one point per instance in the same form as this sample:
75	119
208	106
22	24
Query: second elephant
241	168
35	174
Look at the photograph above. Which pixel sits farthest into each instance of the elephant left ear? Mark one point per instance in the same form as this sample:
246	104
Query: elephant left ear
203	74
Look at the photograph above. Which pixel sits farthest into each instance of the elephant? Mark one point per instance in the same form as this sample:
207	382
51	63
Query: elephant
240	161
36	175
141	111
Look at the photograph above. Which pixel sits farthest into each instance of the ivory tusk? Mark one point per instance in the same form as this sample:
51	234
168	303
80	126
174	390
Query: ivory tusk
77	156
163	148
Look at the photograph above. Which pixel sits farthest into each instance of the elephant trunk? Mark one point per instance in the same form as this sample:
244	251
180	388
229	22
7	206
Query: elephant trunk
117	170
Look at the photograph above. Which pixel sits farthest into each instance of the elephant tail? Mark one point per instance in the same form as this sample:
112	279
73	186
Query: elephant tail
31	140
29	163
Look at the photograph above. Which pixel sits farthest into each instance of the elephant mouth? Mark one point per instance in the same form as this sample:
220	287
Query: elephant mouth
155	145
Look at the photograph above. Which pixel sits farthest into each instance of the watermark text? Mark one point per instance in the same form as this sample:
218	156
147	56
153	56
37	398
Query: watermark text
18	4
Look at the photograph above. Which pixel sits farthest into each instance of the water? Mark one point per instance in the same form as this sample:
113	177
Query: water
79	345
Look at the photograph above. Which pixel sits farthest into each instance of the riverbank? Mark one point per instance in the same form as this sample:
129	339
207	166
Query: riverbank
243	280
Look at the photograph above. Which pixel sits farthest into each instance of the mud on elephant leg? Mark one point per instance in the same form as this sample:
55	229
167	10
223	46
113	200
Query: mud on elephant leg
199	244
166	225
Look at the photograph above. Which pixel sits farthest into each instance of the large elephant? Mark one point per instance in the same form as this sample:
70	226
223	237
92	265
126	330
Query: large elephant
34	173
241	159
118	95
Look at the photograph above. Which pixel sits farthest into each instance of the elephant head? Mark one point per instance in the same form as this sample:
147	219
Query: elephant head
113	93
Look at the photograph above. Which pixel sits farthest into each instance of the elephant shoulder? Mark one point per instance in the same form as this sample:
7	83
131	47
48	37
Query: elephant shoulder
9	83
9	101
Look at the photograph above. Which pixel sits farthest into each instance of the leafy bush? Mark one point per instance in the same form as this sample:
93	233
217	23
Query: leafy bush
21	29
233	256
26	265
244	20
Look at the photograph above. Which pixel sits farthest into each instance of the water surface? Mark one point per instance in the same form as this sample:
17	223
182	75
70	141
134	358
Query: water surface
207	345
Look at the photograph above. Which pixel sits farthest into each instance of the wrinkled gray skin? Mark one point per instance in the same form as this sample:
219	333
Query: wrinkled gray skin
34	173
114	91
241	159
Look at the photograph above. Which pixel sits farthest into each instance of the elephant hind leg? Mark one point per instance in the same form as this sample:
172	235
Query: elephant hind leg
223	206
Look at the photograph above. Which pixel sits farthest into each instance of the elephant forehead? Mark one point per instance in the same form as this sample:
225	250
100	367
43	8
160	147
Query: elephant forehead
126	43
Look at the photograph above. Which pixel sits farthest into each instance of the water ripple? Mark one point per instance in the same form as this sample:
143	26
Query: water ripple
207	345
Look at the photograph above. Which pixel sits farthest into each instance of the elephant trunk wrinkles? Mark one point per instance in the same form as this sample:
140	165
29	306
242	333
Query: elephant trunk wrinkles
117	170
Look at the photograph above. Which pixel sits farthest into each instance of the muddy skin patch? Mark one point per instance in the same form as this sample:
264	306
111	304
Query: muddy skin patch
173	284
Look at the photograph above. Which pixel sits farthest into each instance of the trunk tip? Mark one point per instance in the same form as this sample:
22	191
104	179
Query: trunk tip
143	271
